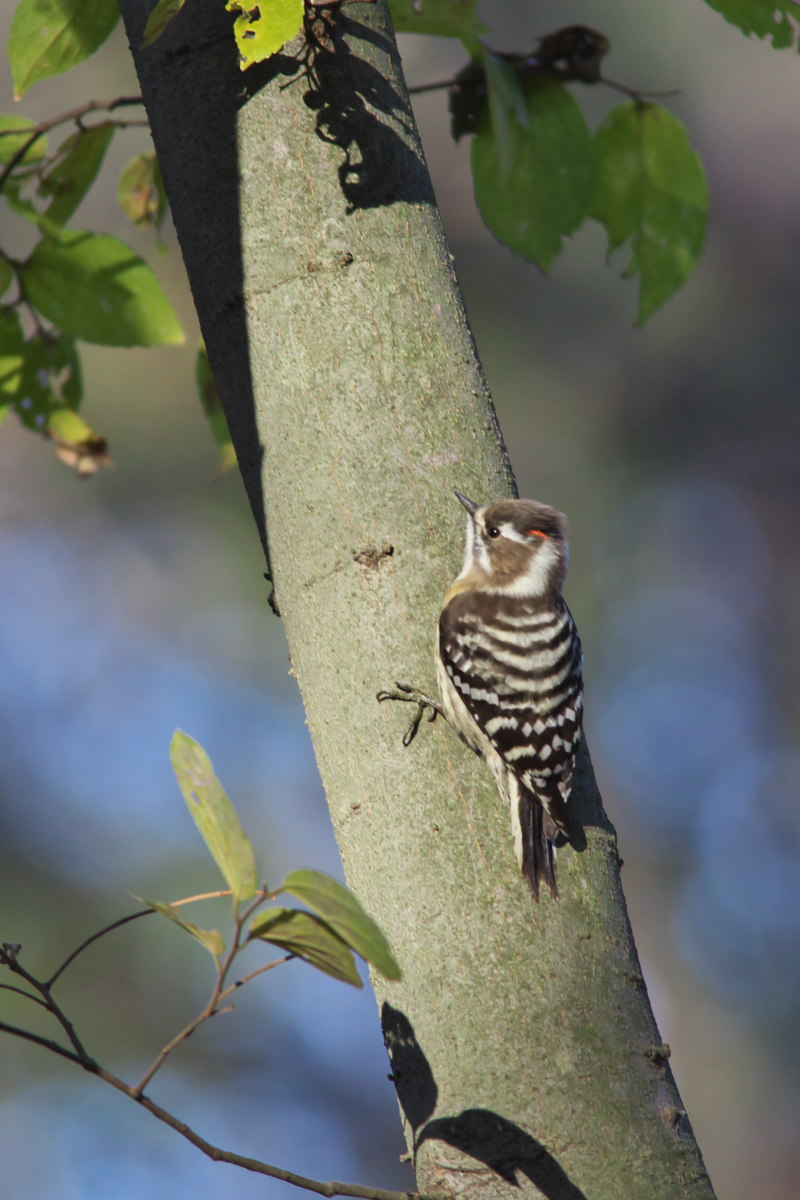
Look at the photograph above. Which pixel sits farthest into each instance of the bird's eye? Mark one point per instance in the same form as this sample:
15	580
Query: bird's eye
492	531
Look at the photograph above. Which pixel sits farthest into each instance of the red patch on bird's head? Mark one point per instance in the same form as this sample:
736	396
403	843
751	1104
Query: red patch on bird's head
537	533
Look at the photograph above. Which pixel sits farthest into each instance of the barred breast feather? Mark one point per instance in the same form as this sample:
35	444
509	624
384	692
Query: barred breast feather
510	680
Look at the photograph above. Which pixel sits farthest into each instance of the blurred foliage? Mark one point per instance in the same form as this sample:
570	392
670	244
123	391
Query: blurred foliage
138	602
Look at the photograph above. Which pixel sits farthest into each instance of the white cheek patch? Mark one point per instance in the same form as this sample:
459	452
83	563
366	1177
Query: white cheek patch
536	579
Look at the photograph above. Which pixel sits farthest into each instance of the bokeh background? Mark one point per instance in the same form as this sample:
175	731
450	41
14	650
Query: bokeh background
134	602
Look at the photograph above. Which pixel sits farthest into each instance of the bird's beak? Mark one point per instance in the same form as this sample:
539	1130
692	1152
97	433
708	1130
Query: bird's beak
469	505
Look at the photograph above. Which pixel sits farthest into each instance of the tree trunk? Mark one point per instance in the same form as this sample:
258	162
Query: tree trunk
525	1054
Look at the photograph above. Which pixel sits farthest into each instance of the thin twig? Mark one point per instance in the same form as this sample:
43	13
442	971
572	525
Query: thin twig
87	1063
11	961
143	912
419	88
634	93
9	987
276	962
73	114
215	1153
218	993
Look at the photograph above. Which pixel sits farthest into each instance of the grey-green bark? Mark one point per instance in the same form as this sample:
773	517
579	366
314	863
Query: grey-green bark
523	1044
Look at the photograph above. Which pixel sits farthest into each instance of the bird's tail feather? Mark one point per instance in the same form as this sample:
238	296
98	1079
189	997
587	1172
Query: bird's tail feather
534	831
538	852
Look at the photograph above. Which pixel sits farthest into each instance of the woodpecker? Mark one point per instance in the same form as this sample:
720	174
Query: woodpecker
508	664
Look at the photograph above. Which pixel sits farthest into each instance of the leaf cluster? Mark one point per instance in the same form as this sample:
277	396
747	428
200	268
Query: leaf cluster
539	173
326	934
73	285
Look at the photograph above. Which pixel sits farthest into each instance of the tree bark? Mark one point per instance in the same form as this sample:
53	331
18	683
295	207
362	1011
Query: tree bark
525	1055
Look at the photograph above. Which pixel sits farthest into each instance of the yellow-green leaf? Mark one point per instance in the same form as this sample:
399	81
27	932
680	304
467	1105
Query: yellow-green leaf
50	36
309	938
339	908
15	131
212	939
214	815
262	29
96	288
12	354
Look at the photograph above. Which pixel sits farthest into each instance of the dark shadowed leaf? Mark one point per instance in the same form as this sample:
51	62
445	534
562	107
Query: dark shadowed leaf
50	36
308	937
212	939
652	190
160	18
141	192
212	407
214	815
95	288
340	909
74	171
546	192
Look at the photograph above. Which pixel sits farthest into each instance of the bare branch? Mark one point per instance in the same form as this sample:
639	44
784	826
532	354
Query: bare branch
215	1153
12	962
9	987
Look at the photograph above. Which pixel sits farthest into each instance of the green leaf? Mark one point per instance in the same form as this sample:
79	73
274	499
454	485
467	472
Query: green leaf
547	189
12	141
50	380
339	908
308	937
12	354
212	939
214	815
262	29
442	18
160	18
95	288
775	19
140	191
652	190
68	180
507	108
50	36
41	380
6	275
212	407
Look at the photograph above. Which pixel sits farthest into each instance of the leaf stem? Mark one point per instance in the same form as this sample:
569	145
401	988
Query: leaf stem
73	114
218	994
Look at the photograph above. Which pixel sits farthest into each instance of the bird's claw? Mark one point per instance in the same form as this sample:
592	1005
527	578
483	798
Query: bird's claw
410	695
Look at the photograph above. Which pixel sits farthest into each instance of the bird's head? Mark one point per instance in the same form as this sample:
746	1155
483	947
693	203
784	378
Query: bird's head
515	548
